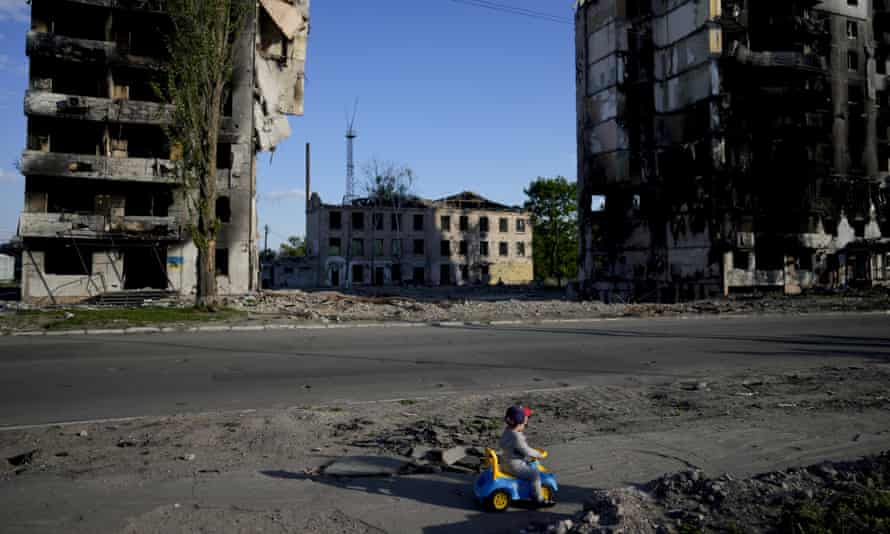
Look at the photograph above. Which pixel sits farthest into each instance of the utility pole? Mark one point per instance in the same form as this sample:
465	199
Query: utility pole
266	246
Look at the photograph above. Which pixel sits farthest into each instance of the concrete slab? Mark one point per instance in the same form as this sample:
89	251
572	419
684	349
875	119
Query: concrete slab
366	466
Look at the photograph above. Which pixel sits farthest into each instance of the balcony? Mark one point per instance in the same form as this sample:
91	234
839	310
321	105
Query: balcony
48	45
155	6
74	226
98	167
795	60
96	109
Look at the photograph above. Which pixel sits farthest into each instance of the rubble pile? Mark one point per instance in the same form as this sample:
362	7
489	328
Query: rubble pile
483	305
799	499
429	445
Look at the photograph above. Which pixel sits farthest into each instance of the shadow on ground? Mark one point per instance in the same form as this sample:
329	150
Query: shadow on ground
448	490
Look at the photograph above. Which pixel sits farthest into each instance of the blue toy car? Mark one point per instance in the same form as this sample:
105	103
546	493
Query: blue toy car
496	490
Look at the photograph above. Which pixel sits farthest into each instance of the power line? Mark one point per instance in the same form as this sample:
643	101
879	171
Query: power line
540	15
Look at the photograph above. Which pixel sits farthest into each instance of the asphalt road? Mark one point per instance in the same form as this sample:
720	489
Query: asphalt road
70	378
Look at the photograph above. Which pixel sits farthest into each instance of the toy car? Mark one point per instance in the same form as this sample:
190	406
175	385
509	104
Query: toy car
496	490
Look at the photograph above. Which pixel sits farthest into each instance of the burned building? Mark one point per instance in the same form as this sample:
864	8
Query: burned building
104	210
729	145
463	239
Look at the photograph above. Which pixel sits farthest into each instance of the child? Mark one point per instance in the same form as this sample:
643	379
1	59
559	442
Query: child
517	453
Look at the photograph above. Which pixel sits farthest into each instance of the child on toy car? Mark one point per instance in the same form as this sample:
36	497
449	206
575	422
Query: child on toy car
516	452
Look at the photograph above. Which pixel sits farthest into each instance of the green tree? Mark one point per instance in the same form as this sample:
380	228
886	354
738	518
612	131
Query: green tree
201	46
553	206
295	246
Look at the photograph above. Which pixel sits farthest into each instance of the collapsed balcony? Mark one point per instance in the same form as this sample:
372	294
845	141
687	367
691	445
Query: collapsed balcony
96	109
98	167
47	45
75	226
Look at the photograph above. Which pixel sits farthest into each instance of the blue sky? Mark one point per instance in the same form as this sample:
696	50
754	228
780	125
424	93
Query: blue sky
470	99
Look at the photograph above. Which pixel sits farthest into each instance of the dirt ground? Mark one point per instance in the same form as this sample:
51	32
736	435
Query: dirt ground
130	453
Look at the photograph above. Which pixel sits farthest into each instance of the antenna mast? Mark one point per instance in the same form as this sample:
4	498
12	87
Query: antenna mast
350	163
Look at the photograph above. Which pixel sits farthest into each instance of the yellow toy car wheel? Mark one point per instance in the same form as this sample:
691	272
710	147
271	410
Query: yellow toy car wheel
498	501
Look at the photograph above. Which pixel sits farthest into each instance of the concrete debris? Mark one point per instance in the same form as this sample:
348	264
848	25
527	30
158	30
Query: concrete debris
689	502
485	305
22	459
188	457
83	433
366	466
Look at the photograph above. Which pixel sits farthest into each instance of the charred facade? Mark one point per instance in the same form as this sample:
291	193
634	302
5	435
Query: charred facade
104	210
729	145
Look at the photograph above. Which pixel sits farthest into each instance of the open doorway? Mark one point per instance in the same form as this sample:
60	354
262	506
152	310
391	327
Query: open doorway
144	268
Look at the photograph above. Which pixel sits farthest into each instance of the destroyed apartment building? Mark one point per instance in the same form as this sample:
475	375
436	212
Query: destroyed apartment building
732	145
104	211
464	239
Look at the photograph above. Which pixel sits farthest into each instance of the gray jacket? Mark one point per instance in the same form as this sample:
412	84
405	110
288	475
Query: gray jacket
515	448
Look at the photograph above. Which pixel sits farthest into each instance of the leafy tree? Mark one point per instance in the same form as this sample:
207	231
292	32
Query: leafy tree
553	206
295	246
201	47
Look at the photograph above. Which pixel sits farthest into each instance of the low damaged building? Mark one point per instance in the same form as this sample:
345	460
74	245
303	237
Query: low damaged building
463	239
104	210
728	145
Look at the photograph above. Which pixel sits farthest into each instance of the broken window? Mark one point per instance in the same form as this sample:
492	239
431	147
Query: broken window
520	225
378	247
334	246
396	247
483	225
445	223
464	223
418	222
852	61
418	247
852	29
224	209
484	271
504	248
335	220
358	274
395	272
419	275
445	274
503	225
358	247
378	221
805	262
445	248
598	203
483	248
395	222
358	221
520	249
222	262
68	260
740	259
224	156
463	248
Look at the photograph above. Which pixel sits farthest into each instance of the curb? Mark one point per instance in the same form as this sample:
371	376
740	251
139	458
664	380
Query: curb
383	324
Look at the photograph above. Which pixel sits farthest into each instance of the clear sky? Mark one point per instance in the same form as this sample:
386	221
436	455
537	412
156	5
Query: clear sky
469	98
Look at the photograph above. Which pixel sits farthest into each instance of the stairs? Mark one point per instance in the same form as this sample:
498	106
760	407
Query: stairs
131	297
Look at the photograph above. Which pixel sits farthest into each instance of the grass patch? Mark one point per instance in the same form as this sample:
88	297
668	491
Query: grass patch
113	318
866	512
